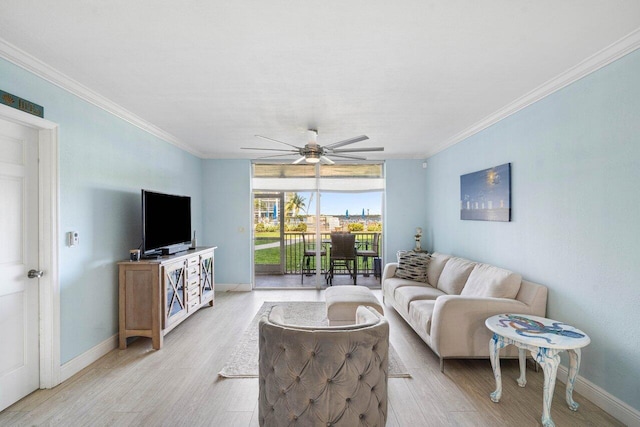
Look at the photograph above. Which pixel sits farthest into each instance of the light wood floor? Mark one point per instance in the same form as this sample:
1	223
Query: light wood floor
178	385
293	281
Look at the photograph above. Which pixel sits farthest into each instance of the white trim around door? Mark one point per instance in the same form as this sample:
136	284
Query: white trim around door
49	286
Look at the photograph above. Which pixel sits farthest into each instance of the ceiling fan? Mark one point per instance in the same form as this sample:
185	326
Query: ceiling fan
314	153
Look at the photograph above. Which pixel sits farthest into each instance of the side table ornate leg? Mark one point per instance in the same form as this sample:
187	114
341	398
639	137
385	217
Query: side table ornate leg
549	360
574	365
495	344
522	359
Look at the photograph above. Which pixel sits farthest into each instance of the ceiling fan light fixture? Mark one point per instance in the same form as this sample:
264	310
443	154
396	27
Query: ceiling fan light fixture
312	158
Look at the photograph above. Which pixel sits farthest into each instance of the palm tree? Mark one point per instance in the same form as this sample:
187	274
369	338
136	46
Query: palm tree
294	203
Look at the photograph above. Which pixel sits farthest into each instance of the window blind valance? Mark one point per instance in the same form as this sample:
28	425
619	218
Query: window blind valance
339	177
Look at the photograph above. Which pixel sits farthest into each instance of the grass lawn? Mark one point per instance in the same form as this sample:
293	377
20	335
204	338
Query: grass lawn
272	256
267	237
263	240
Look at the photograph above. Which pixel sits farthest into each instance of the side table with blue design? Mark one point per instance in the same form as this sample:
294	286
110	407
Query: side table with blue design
545	339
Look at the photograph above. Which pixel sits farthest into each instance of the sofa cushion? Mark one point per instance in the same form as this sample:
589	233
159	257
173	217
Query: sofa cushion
406	294
420	314
454	275
413	266
493	282
393	283
436	264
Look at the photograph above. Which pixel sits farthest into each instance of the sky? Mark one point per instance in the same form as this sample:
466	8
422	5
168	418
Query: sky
338	203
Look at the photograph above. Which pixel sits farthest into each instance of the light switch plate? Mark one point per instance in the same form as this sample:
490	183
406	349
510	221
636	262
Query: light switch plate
73	238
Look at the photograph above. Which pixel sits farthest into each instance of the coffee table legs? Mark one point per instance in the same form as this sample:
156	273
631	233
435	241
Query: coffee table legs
574	366
548	359
495	344
522	360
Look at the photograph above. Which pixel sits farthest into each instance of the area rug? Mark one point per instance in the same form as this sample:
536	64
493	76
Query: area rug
243	362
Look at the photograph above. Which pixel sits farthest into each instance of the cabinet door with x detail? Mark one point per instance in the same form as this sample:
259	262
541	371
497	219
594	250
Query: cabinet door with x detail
174	282
206	278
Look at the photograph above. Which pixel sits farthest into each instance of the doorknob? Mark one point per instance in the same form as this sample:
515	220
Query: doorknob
35	274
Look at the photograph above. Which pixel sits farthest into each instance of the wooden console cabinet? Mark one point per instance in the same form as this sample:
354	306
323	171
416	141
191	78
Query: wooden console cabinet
156	295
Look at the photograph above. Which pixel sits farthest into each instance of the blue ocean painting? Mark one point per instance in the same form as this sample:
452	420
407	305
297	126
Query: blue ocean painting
486	195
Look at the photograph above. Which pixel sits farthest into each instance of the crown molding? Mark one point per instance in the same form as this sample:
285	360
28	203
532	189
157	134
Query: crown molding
609	54
28	62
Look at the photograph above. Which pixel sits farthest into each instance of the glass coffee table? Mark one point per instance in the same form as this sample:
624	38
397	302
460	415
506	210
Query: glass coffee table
545	339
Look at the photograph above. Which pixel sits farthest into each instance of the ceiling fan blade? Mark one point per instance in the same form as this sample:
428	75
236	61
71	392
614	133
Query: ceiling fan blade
326	160
300	160
346	142
347	157
358	150
275	140
268	149
272	156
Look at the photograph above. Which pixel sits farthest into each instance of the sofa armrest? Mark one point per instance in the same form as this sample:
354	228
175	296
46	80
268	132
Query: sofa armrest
457	324
389	271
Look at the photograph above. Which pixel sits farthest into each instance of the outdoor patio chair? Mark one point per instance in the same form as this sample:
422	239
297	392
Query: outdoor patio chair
367	252
343	253
309	251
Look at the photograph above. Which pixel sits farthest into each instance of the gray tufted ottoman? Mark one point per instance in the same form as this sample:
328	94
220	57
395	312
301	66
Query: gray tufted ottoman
343	301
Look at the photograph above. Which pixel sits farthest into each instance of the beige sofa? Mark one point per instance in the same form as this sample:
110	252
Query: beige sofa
449	310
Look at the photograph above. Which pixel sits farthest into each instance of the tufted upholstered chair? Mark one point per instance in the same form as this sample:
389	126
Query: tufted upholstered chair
323	376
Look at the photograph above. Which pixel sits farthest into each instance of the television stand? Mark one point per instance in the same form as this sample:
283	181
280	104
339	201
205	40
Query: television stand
156	295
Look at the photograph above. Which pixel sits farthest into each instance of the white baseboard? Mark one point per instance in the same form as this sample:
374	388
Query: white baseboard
77	364
233	287
609	403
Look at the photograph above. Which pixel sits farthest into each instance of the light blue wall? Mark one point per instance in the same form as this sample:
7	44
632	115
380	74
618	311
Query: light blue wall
405	206
575	159
104	162
227	221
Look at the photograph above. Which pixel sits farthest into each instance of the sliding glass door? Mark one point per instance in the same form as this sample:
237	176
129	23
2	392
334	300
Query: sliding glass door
269	254
313	201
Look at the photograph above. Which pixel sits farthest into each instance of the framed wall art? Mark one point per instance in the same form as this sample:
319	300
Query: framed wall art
486	195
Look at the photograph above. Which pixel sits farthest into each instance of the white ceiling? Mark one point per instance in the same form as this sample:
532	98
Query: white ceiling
413	75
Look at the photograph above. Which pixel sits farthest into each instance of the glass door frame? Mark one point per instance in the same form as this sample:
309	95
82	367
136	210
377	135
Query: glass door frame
263	186
271	268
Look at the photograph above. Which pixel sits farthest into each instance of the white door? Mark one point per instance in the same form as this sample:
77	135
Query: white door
19	358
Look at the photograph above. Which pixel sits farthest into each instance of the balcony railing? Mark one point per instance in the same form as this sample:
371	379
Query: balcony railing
293	246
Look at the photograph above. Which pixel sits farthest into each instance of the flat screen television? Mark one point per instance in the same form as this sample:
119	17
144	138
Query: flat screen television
166	223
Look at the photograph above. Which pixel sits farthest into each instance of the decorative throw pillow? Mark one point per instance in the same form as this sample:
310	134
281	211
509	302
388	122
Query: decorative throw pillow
493	282
413	266
400	253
